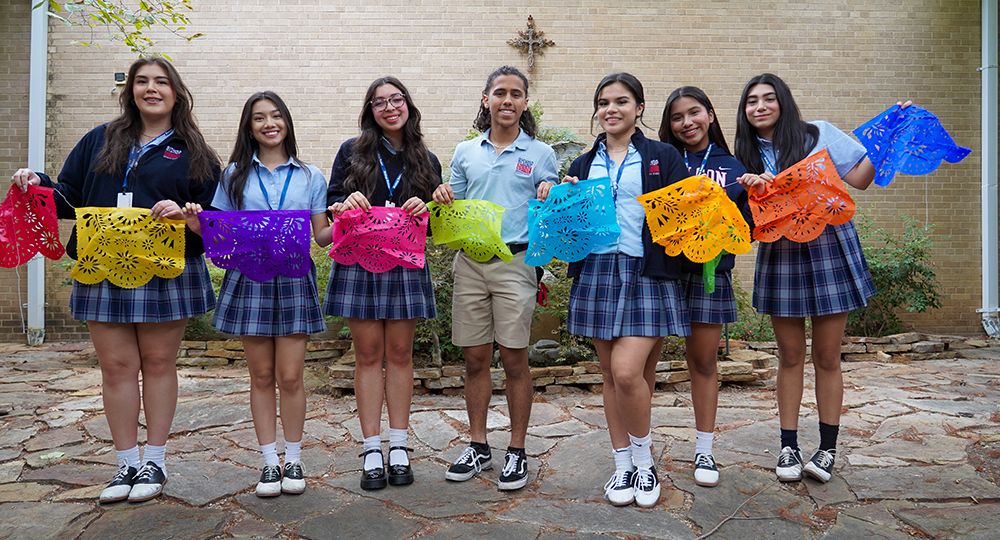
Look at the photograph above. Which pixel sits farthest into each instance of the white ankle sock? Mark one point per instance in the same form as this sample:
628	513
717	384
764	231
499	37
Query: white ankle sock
703	442
623	458
128	457
293	451
270	452
156	455
642	455
397	437
373	460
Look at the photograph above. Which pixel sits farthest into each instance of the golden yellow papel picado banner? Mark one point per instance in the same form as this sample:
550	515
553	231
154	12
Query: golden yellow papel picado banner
126	246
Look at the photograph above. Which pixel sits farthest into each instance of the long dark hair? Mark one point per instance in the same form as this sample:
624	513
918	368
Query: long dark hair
715	135
123	132
363	171
634	87
791	134
527	121
246	145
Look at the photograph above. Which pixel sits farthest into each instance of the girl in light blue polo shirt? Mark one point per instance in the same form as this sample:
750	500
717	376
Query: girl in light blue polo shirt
275	317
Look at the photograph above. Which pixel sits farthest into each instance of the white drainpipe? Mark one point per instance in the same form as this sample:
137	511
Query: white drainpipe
36	157
991	279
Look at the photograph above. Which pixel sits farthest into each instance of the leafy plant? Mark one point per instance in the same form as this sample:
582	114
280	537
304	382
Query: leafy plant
749	325
903	275
125	22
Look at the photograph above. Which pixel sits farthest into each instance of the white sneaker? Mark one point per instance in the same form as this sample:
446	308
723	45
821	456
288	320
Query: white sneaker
646	487
120	485
148	483
270	481
706	474
618	490
789	467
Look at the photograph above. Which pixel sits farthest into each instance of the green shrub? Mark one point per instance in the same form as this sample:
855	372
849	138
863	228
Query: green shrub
904	278
749	325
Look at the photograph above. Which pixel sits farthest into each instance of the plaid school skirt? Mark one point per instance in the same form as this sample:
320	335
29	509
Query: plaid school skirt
399	294
716	308
159	300
825	276
280	306
611	299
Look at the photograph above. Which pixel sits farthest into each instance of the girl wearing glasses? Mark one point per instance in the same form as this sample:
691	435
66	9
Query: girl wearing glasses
275	317
386	165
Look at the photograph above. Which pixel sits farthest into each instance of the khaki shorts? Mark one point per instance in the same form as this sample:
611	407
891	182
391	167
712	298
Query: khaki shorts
492	301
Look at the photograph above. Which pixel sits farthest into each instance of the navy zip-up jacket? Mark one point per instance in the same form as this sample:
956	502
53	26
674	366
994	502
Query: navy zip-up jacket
160	174
724	169
662	165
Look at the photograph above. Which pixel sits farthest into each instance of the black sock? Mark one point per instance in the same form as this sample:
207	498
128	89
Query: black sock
790	438
828	436
512	450
481	447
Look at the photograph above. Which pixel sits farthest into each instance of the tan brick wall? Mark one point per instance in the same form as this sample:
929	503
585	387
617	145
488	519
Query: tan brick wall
845	60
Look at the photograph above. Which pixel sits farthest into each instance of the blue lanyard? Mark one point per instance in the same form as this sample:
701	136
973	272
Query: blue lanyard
137	151
607	167
385	174
768	164
704	162
284	190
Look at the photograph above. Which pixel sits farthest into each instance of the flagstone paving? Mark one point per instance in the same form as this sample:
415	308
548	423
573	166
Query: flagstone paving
919	457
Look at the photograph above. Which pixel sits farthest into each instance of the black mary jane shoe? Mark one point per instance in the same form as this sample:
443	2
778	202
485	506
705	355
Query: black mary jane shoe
373	478
400	475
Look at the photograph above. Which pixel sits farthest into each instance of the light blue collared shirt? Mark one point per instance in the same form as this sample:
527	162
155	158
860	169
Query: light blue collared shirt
629	211
306	189
845	152
509	179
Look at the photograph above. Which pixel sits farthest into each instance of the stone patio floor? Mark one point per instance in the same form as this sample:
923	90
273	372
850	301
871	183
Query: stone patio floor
919	457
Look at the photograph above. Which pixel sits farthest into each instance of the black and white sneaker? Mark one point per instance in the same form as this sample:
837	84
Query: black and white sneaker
148	483
646	487
705	472
820	466
619	490
789	467
469	464
293	481
120	486
515	471
270	481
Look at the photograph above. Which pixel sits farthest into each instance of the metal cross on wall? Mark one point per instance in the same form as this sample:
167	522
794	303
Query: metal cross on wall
531	41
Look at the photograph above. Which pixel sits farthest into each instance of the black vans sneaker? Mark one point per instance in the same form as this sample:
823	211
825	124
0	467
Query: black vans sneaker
469	464
120	486
515	471
820	466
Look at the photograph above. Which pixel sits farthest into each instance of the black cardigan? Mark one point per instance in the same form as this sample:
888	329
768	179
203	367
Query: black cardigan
662	165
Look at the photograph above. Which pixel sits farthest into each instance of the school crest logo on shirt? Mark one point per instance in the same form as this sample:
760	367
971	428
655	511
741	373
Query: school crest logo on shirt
524	167
171	153
654	166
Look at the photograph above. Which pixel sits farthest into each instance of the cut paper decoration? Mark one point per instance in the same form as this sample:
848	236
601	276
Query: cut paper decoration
28	225
695	217
909	141
573	221
261	244
801	201
380	239
472	226
126	246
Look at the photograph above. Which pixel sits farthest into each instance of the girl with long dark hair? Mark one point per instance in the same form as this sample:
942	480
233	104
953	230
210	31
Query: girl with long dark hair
388	164
274	317
691	125
625	295
151	156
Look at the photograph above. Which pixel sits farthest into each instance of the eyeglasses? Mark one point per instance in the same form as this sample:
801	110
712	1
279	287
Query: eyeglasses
396	100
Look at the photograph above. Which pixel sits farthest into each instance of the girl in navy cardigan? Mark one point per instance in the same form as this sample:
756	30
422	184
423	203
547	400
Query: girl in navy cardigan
690	124
625	295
